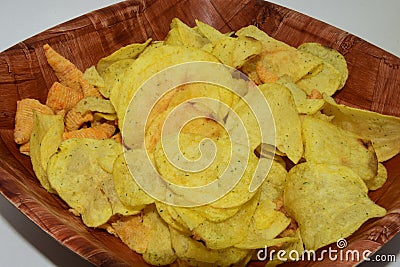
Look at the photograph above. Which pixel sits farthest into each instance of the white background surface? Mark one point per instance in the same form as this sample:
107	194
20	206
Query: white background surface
22	243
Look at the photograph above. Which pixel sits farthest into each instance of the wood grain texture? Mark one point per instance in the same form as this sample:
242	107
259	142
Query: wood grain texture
373	84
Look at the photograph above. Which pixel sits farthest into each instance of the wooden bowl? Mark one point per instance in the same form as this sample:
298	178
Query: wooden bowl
373	84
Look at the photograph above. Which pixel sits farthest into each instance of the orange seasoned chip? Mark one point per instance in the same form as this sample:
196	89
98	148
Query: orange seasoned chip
68	74
103	131
24	118
74	120
61	97
25	149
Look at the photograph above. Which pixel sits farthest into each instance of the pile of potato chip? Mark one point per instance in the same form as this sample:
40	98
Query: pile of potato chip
328	156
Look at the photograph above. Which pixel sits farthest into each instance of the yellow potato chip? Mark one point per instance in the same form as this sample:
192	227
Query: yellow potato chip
146	65
126	187
170	218
325	78
46	137
92	103
24	118
382	130
196	254
304	105
330	56
235	51
327	143
212	34
293	63
328	202
287	121
112	74
182	34
76	175
219	235
93	77
379	180
159	247
131	51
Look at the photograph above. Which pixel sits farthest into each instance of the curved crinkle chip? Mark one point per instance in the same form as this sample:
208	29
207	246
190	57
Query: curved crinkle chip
24	118
328	202
74	120
102	131
76	175
61	97
382	130
324	142
46	137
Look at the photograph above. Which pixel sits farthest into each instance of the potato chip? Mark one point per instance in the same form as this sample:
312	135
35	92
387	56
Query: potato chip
293	63
182	34
287	121
132	231
330	56
126	187
328	202
196	254
93	103
327	143
189	147
112	74
325	78
229	232
159	248
24	118
212	34
382	130
169	218
304	105
145	66
61	97
266	224
76	175
131	51
93	77
46	137
379	180
235	51
272	187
